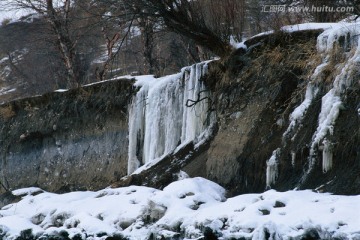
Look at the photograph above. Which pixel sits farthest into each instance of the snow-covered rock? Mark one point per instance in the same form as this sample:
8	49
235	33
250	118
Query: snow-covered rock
184	208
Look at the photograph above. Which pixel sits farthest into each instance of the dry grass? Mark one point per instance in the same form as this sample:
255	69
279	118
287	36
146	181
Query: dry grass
5	21
337	58
299	59
7	112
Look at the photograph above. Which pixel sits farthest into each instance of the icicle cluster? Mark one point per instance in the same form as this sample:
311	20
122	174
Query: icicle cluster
272	168
331	103
163	115
346	37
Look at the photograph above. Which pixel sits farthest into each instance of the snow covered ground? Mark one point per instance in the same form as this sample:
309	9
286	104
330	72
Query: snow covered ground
184	208
8	11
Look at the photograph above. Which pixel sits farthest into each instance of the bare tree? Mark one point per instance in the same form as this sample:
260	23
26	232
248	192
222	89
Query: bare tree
113	45
225	18
146	25
320	15
60	19
184	17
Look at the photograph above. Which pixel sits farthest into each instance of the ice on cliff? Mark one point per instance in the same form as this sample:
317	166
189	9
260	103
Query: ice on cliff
162	115
343	37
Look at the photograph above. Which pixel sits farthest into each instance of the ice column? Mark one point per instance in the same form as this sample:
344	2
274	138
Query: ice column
327	160
272	168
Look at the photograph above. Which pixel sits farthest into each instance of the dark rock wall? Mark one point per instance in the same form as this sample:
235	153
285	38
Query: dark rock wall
66	141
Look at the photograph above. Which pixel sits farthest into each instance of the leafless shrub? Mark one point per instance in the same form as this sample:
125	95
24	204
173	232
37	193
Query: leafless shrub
5	21
7	112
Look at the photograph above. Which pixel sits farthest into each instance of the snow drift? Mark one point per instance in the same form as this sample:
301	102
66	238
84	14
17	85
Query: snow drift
184	209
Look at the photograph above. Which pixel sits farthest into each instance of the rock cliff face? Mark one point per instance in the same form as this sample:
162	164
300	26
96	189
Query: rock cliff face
284	120
287	117
66	141
271	132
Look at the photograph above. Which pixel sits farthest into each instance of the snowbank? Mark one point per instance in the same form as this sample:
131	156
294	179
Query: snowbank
184	208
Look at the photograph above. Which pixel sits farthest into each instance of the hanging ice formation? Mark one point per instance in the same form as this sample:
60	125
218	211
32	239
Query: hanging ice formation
272	168
344	38
327	160
162	115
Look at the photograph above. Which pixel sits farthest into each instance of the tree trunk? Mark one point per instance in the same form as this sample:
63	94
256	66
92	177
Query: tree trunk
201	36
185	18
65	44
147	38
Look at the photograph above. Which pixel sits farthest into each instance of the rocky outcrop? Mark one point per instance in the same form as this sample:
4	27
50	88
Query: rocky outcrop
255	95
269	130
65	141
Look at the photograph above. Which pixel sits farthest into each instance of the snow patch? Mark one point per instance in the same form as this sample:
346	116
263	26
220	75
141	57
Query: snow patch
61	90
309	26
26	191
297	116
6	90
289	29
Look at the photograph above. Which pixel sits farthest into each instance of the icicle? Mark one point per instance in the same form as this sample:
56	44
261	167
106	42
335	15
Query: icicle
159	120
327	160
272	168
293	158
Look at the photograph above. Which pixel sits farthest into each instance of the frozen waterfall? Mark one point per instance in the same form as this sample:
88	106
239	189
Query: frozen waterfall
162	115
